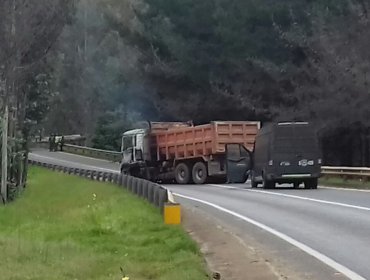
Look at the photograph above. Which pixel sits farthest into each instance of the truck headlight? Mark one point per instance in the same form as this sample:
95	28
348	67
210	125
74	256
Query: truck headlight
271	162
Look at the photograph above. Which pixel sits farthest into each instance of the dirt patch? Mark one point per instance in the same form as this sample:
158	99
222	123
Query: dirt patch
224	252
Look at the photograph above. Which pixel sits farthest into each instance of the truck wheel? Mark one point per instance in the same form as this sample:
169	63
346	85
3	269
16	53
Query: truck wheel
296	185
182	174
311	184
199	173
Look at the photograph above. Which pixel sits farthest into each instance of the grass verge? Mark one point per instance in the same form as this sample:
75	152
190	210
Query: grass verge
339	182
65	227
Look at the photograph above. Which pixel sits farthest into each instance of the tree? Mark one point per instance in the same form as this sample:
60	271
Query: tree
28	30
214	59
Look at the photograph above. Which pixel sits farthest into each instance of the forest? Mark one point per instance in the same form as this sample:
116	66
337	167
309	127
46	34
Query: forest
106	64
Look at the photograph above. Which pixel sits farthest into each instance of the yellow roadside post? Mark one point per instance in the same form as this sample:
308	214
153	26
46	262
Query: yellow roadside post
172	211
172	214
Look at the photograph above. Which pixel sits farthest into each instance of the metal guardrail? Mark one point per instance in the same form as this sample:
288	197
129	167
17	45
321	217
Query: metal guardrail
152	192
346	172
91	152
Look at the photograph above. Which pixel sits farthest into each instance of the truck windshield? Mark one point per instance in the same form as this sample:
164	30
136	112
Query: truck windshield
295	138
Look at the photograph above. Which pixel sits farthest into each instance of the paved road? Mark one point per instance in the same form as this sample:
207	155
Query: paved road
304	228
74	161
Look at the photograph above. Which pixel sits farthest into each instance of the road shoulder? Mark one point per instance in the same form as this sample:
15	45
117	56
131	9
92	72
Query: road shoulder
224	252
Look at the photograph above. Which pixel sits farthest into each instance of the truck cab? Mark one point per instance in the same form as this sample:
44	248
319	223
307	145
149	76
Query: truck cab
135	151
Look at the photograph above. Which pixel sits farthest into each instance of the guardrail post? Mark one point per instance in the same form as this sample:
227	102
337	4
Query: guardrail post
151	193
135	182
156	195
115	178
144	191
110	177
92	175
162	198
104	176
139	187
123	181
129	182
101	176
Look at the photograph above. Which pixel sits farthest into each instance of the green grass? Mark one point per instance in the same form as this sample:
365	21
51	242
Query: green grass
339	182
65	227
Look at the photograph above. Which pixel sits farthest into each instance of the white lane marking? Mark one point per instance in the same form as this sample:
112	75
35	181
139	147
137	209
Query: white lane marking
69	163
344	189
321	257
226	187
298	197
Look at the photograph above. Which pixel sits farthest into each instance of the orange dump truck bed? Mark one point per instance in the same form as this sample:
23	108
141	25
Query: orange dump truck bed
204	140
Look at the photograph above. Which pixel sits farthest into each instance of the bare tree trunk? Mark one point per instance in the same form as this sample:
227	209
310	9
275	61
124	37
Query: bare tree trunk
4	157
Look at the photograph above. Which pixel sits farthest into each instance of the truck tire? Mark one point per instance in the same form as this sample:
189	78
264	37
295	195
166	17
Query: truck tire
182	174
296	185
311	184
200	173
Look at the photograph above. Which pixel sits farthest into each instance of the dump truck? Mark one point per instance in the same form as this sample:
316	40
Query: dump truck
219	151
